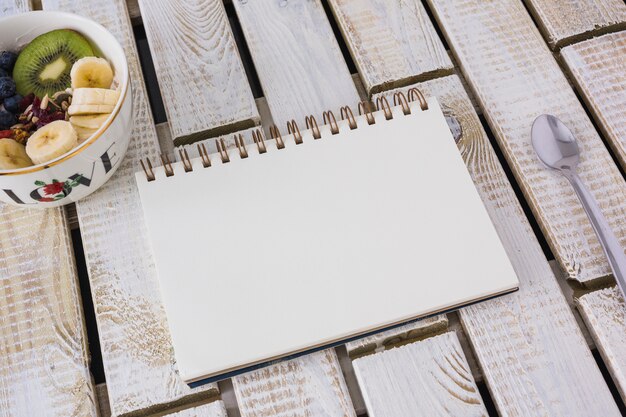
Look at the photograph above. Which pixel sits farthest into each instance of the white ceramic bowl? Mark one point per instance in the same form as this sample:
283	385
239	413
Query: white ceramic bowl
85	168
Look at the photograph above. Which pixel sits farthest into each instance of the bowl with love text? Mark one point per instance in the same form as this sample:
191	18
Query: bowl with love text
66	108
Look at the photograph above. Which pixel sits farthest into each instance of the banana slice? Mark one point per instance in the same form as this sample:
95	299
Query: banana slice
92	96
51	141
76	109
91	72
83	133
13	155
89	121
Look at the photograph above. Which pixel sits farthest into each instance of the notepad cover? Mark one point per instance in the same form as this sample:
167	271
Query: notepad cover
306	246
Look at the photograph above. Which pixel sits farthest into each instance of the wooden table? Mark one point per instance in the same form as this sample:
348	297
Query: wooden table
494	66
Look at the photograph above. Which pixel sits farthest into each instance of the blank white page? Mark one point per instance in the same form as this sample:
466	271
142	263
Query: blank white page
309	245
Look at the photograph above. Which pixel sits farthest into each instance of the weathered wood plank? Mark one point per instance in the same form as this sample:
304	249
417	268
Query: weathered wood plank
44	365
515	79
393	43
9	7
396	336
532	354
597	69
135	341
213	409
297	58
604	312
428	378
202	81
311	385
565	22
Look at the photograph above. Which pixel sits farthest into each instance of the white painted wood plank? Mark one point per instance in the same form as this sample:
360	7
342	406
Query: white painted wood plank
396	336
311	385
531	351
44	358
393	43
564	22
213	409
515	79
135	341
604	312
597	69
429	378
9	7
297	58
202	81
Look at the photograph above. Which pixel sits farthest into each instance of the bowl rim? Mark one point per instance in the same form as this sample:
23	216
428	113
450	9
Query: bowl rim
125	83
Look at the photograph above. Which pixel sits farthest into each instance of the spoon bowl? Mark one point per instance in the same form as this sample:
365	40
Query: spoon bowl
554	143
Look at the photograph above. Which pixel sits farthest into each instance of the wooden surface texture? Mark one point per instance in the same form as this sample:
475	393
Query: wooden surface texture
604	312
311	385
565	21
398	335
515	79
9	7
201	77
429	378
297	58
393	43
44	363
598	69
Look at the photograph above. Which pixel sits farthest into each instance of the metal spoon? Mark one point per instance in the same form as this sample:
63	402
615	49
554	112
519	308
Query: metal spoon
557	148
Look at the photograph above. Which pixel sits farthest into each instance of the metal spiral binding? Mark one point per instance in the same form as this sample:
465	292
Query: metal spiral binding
277	137
311	124
257	137
243	152
346	113
364	108
293	129
381	102
334	128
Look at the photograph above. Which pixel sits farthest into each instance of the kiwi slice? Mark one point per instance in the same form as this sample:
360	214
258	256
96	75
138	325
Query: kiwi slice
43	67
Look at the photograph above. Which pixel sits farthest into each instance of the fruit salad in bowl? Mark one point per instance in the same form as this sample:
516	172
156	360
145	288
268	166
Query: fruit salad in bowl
65	108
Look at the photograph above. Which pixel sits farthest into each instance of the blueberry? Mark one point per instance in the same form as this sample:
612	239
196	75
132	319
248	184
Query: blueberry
7	120
12	103
7	60
3	73
7	87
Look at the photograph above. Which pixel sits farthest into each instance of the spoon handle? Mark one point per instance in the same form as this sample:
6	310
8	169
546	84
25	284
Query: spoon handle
608	240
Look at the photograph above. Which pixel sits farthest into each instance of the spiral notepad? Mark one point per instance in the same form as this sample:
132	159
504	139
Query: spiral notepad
317	236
